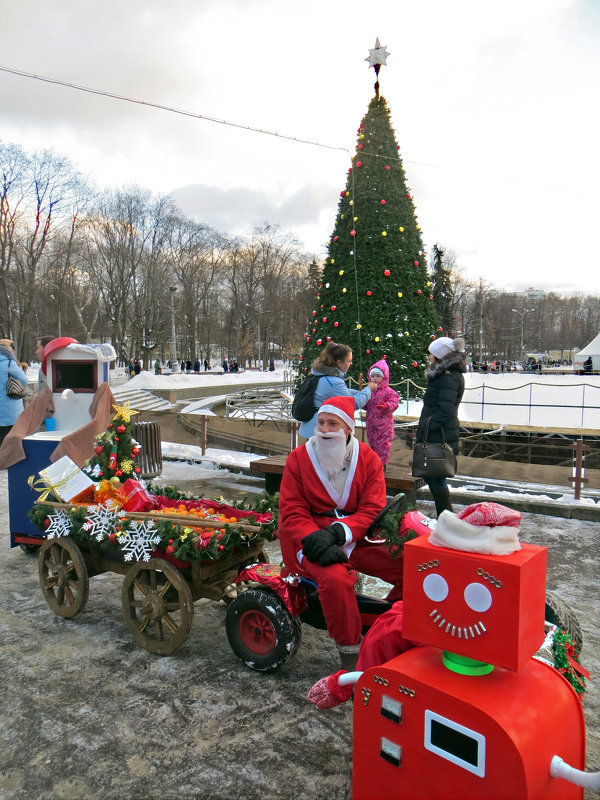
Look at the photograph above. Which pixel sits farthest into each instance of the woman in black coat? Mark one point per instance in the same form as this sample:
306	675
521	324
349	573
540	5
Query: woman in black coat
445	387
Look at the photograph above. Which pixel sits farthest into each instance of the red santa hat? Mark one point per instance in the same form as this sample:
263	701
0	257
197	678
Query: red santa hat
342	407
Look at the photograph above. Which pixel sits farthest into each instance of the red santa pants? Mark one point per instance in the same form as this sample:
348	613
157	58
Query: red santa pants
336	587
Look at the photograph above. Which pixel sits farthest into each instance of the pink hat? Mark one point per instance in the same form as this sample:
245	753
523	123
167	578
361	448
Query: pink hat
343	407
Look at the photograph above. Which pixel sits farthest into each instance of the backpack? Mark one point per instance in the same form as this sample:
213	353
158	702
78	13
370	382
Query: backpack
303	407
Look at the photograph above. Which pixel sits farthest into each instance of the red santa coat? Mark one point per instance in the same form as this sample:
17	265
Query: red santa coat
306	494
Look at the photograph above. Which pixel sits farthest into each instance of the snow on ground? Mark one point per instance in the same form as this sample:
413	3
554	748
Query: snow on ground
180	380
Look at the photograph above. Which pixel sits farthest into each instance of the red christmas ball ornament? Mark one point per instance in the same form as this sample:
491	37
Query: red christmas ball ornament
116	438
170	550
341	194
368	352
419	291
314	330
109	425
409	197
118	473
300	358
112	537
314	313
135	451
121	429
369	293
360	147
137	470
335	324
100	474
333	308
353	233
384	356
98	449
386	272
329	338
432	337
387	168
221	547
324	319
431	297
359	163
440	330
335	238
319	341
416	263
415	364
382	202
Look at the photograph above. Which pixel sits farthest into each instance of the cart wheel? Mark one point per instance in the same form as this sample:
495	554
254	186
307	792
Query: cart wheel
562	615
157	606
63	576
261	631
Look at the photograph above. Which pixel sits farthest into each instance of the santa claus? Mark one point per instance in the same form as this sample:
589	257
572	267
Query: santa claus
334	476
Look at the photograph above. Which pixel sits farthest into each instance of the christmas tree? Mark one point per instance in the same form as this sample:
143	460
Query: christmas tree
443	294
116	450
375	294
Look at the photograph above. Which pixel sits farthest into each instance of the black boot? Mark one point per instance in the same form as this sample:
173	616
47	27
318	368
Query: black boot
441	498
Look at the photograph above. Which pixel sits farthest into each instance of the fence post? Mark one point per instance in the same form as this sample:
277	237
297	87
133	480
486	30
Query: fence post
203	423
294	426
579	449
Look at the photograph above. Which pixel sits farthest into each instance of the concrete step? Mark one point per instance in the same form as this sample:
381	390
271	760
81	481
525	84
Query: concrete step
139	399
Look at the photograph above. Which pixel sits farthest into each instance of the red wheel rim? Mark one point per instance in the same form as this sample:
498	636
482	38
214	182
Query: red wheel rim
257	632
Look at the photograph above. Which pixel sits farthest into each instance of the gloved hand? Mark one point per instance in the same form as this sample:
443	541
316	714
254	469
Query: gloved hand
333	555
317	542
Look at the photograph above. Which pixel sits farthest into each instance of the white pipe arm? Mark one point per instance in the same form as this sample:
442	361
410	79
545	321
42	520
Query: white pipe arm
560	769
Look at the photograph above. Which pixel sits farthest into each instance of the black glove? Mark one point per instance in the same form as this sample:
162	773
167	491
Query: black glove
317	542
333	555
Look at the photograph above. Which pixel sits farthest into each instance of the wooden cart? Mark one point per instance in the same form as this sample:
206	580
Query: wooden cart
158	595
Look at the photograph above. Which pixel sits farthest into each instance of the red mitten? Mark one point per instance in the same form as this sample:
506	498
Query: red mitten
327	693
490	514
382	406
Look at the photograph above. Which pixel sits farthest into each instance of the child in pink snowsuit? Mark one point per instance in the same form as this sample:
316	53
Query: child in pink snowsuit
380	408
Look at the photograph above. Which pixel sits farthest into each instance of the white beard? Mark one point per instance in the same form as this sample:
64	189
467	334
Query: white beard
331	451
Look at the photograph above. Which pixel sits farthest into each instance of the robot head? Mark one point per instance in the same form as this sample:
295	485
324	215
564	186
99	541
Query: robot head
488	608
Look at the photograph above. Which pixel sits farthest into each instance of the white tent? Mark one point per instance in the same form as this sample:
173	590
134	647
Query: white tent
593	350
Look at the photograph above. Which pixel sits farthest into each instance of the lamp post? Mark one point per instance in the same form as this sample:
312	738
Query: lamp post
522	315
480	304
175	364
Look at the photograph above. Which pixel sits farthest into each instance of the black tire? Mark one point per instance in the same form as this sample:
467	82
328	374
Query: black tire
30	549
261	631
559	613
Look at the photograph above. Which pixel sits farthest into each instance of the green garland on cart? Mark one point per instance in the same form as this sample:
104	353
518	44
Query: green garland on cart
175	538
388	530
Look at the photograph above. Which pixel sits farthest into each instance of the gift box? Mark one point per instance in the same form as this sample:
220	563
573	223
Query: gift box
64	479
135	497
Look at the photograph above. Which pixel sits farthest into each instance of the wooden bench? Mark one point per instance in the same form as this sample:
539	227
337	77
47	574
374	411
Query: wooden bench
396	479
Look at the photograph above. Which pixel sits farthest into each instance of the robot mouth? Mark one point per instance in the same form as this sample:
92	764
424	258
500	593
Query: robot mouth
459	631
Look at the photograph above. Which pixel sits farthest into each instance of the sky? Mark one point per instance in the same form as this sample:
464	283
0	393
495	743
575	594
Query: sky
494	106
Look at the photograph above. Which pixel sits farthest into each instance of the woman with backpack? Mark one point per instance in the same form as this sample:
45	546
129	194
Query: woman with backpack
327	375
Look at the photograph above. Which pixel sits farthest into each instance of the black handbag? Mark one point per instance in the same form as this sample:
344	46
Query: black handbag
433	459
14	387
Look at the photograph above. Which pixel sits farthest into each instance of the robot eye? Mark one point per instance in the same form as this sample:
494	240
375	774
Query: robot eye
478	597
435	587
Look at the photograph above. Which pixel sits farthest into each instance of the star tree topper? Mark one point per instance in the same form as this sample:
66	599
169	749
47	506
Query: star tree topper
377	58
124	411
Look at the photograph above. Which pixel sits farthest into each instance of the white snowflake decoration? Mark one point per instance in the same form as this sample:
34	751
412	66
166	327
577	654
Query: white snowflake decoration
101	519
60	525
140	540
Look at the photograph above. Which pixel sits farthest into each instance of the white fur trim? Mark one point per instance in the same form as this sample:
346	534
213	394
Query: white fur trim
338	413
457	534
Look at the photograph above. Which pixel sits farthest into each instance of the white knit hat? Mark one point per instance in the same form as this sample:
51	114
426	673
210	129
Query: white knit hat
375	371
442	347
